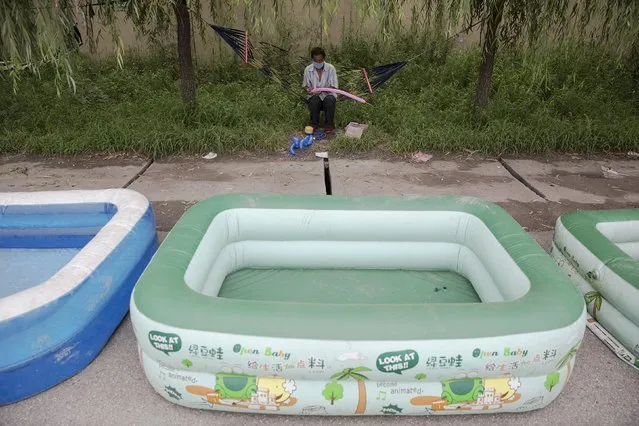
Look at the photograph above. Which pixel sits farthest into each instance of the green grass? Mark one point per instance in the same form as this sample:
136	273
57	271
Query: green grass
570	99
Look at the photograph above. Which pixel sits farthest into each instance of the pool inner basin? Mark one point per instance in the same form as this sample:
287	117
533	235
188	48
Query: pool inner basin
347	286
353	257
624	234
36	241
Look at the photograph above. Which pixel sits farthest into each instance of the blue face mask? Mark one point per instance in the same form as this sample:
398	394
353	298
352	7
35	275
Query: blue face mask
318	65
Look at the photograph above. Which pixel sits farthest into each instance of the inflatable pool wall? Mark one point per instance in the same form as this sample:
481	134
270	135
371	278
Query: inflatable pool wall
201	351
600	252
70	260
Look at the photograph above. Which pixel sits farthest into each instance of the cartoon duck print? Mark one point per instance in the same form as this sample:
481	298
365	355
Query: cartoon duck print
279	387
504	387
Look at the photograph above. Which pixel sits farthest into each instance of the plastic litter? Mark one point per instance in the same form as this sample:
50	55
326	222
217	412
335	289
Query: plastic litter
608	173
210	156
355	130
421	157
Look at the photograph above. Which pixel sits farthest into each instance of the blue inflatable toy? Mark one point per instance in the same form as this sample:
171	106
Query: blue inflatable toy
304	142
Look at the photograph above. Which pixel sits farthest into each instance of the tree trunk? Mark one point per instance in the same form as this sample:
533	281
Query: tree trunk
361	403
485	78
187	74
321	13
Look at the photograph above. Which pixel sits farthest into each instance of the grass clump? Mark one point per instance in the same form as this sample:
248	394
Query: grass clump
571	99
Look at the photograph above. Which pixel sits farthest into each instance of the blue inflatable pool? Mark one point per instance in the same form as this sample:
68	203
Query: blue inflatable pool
68	263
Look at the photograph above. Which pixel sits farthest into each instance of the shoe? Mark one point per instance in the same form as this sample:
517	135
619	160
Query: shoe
329	130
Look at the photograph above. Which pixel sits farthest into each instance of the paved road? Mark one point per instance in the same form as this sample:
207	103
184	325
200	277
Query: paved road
113	390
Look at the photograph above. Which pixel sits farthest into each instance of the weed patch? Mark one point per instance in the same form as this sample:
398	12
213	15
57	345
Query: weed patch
571	99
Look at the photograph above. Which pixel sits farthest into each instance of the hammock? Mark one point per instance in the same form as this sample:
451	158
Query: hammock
266	57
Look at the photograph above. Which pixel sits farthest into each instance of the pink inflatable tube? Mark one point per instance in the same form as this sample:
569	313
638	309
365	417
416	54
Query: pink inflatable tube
340	92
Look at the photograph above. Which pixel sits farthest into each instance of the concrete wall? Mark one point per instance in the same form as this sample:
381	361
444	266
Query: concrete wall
302	23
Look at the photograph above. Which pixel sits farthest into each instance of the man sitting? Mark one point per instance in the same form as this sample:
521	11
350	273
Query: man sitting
320	74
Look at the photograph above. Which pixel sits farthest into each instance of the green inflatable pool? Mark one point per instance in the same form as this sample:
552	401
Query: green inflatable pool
600	252
340	306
